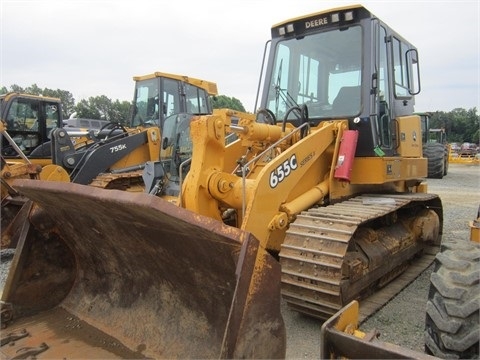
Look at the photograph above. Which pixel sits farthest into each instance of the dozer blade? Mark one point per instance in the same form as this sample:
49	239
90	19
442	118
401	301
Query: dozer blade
161	281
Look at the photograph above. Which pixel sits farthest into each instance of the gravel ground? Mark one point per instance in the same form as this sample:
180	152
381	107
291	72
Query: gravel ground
6	257
401	321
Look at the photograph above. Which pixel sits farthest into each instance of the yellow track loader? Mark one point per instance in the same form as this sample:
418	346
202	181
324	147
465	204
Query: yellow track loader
327	177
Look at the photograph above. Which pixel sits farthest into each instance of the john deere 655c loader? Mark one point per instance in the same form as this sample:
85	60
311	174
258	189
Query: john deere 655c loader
327	177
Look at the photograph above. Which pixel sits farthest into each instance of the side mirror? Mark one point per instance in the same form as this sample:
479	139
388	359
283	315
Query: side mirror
411	56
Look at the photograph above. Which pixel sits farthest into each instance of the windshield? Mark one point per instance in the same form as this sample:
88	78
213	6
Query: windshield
146	103
160	97
322	71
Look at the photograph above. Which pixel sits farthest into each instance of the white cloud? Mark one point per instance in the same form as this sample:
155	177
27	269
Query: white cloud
95	47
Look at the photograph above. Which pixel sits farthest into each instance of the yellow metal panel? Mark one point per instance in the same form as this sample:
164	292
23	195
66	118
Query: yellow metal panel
409	136
380	170
141	153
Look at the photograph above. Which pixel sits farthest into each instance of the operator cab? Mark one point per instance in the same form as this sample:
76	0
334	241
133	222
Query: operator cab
161	95
29	120
169	102
342	64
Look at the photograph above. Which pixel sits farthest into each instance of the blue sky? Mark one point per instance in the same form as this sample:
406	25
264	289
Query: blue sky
93	48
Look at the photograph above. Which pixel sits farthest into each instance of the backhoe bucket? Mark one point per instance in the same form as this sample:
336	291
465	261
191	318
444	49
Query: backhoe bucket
141	278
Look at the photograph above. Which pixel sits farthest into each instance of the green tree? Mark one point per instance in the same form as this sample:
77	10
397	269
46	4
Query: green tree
102	107
68	101
222	102
17	88
122	111
33	90
460	124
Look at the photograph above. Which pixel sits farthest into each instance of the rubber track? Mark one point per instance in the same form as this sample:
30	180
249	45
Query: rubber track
315	246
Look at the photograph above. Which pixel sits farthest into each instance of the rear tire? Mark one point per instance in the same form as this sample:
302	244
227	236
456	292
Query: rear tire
435	153
452	328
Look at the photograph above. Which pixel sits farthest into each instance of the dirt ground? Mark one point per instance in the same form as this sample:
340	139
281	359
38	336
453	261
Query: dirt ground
401	321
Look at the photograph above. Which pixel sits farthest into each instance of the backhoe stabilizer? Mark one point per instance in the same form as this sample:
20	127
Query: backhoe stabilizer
162	281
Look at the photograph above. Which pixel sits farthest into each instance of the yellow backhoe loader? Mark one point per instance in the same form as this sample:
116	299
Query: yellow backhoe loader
327	177
116	158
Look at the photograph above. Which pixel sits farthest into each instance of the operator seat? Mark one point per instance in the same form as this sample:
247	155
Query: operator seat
347	101
42	151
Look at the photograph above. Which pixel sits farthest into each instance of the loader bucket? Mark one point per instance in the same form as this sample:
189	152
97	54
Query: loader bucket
159	280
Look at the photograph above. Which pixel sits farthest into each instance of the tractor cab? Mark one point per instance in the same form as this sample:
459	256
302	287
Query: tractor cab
343	64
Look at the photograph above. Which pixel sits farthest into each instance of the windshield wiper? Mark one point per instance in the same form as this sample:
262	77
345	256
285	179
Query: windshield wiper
282	94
